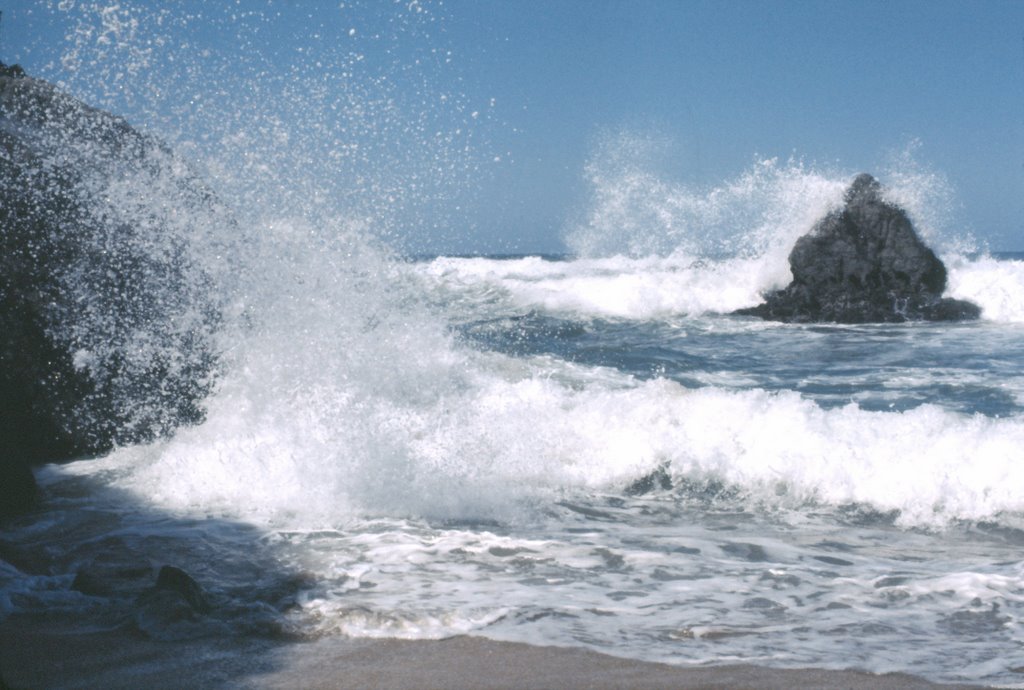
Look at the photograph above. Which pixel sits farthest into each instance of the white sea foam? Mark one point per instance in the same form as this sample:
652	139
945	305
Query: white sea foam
997	286
617	287
659	287
333	450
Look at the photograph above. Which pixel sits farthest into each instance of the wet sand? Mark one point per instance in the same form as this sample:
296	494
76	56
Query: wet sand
49	653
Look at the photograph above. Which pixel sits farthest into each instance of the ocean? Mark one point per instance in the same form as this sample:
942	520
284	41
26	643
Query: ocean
582	450
552	450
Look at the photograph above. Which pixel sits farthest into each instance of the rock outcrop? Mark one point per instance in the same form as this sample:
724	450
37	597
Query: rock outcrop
863	263
173	579
107	314
173	607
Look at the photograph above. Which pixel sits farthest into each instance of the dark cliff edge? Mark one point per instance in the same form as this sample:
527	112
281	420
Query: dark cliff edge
107	319
863	263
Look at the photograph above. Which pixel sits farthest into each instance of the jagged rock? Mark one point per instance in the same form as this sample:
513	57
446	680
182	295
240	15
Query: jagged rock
863	263
107	314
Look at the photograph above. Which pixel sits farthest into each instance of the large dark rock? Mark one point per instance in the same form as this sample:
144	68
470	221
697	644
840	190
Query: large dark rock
863	263
107	314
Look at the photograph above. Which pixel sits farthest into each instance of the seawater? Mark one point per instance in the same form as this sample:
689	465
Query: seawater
583	450
689	488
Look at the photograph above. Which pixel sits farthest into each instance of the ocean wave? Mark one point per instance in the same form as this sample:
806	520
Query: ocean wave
656	287
996	285
521	434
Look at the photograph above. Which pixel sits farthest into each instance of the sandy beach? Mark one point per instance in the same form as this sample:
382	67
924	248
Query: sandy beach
49	653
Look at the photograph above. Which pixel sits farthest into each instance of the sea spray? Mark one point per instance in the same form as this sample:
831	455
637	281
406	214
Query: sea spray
343	390
356	112
637	209
929	199
318	156
995	285
109	316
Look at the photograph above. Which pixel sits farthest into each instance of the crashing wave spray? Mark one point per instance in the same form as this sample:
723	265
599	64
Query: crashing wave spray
330	365
343	394
354	112
637	212
109	315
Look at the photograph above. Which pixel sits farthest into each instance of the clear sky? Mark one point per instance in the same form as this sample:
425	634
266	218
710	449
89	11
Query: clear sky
528	87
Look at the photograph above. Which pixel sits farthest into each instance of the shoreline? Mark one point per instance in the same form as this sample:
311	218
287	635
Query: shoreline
38	652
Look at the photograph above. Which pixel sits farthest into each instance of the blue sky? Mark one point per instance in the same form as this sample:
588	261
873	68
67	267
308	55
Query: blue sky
838	85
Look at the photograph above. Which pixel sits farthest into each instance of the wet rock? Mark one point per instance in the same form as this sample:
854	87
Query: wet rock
176	580
863	263
18	489
173	608
3	684
658	479
107	315
14	71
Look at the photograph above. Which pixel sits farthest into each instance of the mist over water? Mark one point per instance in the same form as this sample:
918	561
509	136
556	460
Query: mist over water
504	445
320	150
637	212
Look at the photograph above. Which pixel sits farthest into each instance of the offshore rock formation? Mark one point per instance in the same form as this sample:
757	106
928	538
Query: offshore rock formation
106	315
860	264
